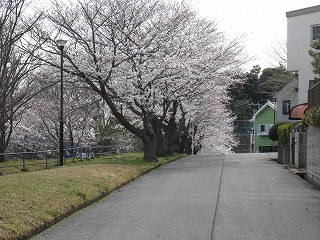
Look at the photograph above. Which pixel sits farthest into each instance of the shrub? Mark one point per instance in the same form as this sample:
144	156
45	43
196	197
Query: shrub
312	117
273	135
284	133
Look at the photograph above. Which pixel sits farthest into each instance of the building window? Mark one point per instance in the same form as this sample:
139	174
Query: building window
312	83
263	129
315	32
286	107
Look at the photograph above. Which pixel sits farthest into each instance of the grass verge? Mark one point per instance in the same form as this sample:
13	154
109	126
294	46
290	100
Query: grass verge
32	201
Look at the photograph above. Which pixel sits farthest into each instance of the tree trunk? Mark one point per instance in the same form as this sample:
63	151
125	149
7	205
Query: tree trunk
149	140
2	143
188	149
71	138
159	137
170	136
171	131
2	151
4	134
150	149
183	135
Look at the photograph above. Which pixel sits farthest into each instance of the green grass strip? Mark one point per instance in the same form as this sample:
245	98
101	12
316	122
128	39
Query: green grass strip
32	201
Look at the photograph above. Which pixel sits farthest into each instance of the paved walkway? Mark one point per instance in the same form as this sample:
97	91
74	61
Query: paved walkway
240	196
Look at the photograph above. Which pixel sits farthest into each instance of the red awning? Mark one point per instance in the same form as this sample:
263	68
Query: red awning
298	111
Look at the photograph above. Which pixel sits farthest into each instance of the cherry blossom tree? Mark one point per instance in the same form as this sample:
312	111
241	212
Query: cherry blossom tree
39	126
215	133
17	62
148	57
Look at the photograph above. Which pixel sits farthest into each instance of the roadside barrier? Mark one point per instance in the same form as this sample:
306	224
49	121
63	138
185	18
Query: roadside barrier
22	160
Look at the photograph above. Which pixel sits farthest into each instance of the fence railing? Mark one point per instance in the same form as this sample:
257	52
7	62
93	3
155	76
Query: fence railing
24	159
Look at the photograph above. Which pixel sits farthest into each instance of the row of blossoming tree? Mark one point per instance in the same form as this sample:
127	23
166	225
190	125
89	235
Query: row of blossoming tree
161	70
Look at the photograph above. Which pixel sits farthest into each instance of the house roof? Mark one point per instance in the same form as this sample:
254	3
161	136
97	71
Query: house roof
303	11
268	104
290	88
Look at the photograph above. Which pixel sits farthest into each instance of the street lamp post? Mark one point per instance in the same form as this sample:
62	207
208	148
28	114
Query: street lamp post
194	123
61	43
192	136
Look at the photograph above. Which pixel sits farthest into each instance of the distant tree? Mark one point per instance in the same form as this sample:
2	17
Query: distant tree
244	94
247	86
278	52
216	133
272	80
255	88
251	86
38	128
242	109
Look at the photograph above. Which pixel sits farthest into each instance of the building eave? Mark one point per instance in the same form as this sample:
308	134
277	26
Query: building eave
303	11
270	104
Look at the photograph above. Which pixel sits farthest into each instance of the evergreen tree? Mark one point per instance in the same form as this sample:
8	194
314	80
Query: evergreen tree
272	80
256	88
316	59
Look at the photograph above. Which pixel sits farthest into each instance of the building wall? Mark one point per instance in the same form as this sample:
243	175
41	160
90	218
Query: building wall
265	117
313	155
289	92
299	33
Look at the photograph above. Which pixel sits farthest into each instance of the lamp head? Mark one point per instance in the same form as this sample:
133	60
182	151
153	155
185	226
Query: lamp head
61	43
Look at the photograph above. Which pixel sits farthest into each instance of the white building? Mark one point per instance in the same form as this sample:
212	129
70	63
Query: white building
303	27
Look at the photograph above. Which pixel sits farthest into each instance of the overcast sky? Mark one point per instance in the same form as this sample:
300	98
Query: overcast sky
263	22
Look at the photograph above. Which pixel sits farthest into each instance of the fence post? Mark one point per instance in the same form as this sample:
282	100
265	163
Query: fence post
46	157
64	156
73	152
80	153
87	152
117	150
57	156
23	163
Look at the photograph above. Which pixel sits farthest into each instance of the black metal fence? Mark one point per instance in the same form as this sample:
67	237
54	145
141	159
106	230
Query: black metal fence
243	131
23	159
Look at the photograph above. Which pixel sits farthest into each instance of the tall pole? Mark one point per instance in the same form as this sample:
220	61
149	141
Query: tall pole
61	109
192	137
274	119
61	44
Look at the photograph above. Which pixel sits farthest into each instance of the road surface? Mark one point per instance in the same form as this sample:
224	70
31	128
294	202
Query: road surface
219	197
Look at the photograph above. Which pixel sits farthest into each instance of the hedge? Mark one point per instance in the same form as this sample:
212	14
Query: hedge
283	132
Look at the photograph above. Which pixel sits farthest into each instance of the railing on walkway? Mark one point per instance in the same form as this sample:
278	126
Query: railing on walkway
23	159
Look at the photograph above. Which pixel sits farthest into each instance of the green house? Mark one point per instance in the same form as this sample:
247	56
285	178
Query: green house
263	120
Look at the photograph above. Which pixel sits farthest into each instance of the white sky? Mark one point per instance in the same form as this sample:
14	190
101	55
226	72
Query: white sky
264	23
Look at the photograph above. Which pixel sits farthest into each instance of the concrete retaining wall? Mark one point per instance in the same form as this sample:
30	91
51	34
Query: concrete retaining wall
313	155
284	155
300	150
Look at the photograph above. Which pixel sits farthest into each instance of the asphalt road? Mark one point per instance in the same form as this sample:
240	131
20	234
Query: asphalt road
240	196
